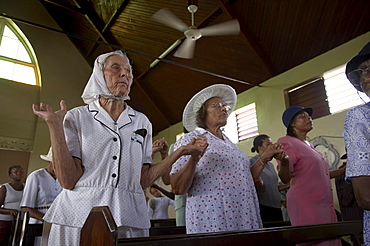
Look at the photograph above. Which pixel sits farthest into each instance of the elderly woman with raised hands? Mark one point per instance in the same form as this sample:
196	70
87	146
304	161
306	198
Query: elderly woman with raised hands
310	197
102	155
357	135
220	184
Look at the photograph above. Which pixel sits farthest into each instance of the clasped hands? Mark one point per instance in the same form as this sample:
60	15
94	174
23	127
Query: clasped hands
197	147
160	145
276	151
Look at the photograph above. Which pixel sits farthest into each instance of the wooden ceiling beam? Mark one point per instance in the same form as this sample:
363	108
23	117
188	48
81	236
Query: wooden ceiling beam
111	21
97	24
68	7
249	39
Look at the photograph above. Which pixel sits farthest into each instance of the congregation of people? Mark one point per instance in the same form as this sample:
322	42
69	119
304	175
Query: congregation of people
102	155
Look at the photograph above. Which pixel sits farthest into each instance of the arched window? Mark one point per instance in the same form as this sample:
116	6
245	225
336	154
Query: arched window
17	59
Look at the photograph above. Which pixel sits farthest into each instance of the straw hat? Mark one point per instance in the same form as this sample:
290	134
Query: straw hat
225	92
48	157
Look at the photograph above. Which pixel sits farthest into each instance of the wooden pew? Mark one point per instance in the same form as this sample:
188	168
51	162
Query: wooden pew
99	228
165	228
287	235
95	233
162	223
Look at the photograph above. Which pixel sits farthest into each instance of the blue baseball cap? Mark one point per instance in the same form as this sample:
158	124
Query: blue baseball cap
290	112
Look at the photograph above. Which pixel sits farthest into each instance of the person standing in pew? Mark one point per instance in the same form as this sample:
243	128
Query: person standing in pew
357	136
10	197
102	155
159	203
267	185
220	184
310	196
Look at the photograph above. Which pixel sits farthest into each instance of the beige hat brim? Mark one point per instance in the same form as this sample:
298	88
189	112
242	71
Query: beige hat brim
48	157
225	92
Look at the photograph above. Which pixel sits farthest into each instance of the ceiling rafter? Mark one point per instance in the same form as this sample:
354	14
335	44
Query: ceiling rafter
111	22
65	6
250	40
97	24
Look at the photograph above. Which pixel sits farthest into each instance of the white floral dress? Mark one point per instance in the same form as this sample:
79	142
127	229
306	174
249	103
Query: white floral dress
222	196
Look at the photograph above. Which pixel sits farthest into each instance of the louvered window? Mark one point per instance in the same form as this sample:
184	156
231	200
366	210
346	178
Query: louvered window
246	120
341	94
311	94
242	124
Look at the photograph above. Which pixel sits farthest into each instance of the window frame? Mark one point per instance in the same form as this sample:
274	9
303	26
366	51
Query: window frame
26	44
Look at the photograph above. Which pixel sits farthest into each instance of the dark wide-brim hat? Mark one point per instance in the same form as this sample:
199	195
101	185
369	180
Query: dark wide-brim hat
353	64
290	112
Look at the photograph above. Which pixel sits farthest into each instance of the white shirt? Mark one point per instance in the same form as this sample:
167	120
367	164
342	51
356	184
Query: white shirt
40	190
12	199
159	205
112	156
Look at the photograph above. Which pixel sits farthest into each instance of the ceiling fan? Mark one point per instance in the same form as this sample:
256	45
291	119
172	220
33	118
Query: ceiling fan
192	33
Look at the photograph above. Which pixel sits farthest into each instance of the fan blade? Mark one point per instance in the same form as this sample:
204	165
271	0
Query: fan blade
168	18
186	50
230	27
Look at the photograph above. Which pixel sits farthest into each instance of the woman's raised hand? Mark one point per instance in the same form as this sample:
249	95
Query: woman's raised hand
273	150
45	112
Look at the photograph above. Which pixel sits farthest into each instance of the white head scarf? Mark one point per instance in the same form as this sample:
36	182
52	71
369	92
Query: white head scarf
96	86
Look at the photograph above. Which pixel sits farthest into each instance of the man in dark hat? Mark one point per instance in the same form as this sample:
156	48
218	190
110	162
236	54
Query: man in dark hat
357	136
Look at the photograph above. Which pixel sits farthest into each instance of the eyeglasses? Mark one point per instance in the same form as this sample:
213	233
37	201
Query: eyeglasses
359	76
221	105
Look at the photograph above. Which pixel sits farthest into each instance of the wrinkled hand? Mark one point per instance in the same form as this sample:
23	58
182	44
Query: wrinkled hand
45	112
273	150
160	145
197	147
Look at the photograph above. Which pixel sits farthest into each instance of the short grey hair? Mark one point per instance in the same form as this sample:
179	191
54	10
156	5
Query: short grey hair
116	52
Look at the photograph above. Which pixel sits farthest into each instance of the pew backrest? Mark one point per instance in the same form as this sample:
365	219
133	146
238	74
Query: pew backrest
284	236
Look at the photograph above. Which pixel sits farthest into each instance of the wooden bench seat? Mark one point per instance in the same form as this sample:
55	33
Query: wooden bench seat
96	234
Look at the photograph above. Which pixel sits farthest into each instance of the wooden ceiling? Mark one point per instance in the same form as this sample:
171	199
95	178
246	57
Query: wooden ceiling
276	35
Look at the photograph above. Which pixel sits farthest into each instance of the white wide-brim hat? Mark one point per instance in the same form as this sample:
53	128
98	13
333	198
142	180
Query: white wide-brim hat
48	157
225	92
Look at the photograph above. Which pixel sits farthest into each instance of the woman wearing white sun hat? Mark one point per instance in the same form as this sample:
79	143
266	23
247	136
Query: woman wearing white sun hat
220	184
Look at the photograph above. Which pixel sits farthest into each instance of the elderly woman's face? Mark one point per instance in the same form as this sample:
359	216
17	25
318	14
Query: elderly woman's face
118	75
217	112
365	81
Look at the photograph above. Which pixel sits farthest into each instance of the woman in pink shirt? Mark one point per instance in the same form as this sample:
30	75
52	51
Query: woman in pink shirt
310	198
